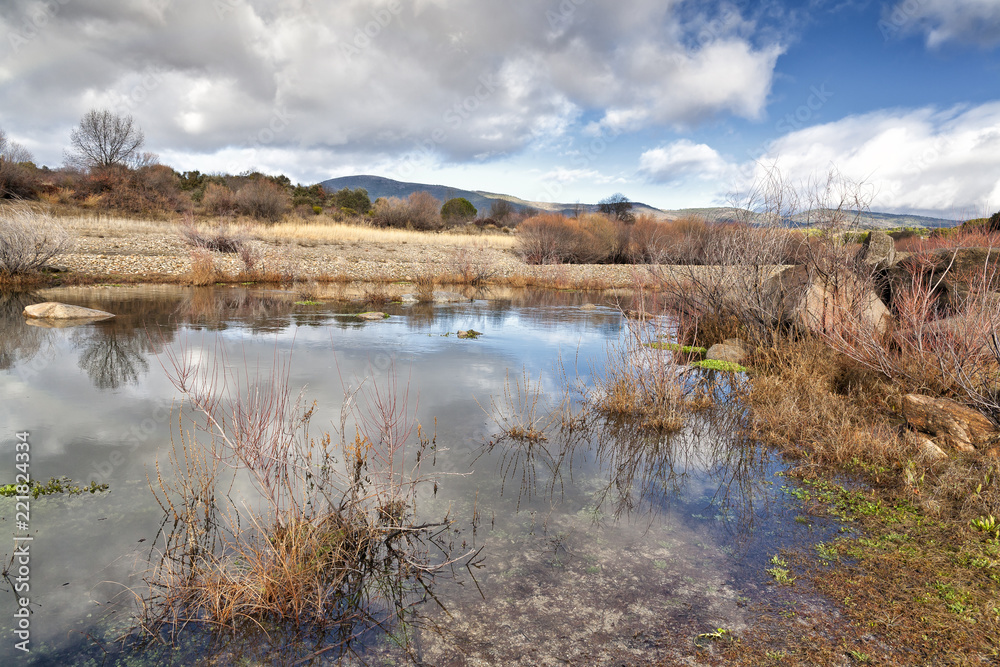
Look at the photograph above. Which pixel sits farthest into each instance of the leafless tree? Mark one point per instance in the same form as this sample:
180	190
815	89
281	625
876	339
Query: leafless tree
105	139
11	151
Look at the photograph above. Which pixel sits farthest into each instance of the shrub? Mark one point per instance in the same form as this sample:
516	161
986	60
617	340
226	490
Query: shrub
546	239
352	201
502	211
262	199
28	242
424	210
222	238
218	200
458	209
419	211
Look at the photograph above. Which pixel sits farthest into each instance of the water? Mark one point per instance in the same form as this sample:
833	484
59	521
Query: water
596	544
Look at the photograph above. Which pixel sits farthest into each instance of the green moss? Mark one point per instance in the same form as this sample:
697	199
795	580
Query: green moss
53	486
307	303
716	365
677	347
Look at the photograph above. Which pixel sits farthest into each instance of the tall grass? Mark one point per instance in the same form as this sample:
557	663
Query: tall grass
28	241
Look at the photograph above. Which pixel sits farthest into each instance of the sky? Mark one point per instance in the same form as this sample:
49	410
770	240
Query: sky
673	103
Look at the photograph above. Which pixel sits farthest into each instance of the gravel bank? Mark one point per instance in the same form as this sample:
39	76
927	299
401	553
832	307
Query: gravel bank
157	254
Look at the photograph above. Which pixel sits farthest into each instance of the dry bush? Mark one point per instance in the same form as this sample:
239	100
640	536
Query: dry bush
425	287
222	237
218	200
28	241
472	266
419	211
327	540
375	294
548	238
425	211
18	181
262	199
952	351
203	271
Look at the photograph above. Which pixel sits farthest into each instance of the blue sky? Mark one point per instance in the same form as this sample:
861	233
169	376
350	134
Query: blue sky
677	104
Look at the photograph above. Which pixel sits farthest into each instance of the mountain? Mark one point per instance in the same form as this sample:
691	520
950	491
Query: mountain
377	186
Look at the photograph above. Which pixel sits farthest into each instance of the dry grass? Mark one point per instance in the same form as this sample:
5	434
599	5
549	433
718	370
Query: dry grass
327	539
322	231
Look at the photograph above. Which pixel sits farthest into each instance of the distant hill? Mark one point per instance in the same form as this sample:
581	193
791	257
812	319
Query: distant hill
378	186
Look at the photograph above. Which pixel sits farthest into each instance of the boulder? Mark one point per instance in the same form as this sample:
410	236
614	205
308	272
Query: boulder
722	352
817	303
952	424
53	310
588	306
878	251
369	317
924	445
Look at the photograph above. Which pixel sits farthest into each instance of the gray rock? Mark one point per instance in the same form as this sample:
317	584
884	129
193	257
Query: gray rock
370	317
818	303
53	310
722	352
878	251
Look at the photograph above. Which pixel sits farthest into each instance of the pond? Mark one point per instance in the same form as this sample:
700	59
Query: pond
592	542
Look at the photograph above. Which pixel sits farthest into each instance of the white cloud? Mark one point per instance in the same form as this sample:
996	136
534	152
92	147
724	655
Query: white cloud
683	160
942	21
919	160
466	79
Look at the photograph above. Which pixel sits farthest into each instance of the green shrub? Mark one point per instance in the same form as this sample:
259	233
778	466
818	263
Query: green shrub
458	209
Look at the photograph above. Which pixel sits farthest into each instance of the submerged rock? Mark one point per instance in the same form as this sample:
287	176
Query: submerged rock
53	310
370	317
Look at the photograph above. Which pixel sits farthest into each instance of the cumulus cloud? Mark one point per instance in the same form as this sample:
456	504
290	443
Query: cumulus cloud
943	21
462	79
683	160
922	161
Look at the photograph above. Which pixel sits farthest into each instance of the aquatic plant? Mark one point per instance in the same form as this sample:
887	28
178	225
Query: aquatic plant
328	539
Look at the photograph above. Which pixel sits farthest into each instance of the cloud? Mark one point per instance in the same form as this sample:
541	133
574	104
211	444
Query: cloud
683	160
460	79
942	21
922	161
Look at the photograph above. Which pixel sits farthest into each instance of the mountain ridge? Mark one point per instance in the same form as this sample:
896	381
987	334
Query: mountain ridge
380	186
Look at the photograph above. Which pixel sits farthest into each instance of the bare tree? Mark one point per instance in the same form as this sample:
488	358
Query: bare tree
105	139
11	151
618	206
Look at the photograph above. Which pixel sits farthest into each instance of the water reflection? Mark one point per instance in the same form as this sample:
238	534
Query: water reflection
599	542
